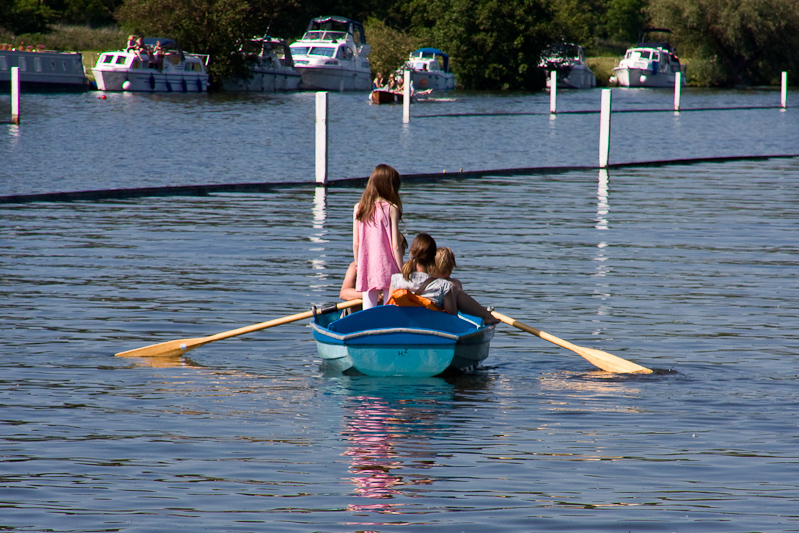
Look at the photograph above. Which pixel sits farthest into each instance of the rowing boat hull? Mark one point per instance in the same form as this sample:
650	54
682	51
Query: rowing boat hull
401	341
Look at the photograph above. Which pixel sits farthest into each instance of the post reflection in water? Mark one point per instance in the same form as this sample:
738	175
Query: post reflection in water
602	211
318	262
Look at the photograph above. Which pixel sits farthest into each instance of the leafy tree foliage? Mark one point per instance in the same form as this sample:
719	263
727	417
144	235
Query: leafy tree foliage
495	44
624	19
733	41
25	16
390	47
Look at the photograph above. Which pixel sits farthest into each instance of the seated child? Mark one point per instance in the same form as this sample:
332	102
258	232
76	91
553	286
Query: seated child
444	263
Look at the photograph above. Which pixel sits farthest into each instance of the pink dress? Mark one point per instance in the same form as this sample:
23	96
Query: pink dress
376	261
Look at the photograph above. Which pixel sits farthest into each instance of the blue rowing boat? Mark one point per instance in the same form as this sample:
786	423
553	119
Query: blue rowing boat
400	341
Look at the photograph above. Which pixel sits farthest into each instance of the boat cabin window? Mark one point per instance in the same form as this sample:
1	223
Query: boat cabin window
108	58
3	63
121	60
37	64
299	50
323	51
194	66
23	65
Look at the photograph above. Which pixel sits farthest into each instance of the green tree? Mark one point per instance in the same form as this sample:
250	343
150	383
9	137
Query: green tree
494	44
25	16
624	20
733	42
390	47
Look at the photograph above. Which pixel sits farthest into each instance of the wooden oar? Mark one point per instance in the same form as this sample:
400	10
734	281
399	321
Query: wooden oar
598	358
182	346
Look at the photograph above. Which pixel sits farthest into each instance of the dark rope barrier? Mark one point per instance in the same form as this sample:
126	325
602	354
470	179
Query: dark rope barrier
206	190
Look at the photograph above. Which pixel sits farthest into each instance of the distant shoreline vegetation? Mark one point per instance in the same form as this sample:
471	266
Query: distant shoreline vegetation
492	45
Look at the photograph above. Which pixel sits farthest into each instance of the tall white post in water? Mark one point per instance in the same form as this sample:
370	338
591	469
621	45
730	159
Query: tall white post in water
677	87
553	92
15	95
321	138
406	98
604	129
784	89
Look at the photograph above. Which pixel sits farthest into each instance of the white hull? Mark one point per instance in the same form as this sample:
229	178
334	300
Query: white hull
127	70
579	77
439	81
150	81
334	79
265	81
636	77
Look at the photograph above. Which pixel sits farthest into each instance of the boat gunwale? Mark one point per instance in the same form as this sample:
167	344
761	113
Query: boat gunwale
384	331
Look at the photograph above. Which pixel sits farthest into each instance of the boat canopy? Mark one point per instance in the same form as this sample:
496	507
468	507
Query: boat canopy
432	53
339	24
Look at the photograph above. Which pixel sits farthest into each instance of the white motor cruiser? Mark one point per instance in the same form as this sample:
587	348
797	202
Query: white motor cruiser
271	67
333	56
429	70
147	70
568	60
648	65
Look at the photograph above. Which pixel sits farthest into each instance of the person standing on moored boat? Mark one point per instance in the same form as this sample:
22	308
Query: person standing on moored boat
376	242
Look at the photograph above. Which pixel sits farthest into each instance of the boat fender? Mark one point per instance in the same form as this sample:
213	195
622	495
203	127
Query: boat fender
168	86
199	86
152	82
183	85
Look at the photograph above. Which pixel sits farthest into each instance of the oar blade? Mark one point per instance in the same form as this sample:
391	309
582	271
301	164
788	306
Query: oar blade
164	349
598	358
611	363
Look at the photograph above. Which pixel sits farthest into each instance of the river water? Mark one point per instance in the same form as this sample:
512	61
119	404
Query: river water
690	270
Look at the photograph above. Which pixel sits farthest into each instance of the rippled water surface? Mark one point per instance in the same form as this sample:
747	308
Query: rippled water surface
687	269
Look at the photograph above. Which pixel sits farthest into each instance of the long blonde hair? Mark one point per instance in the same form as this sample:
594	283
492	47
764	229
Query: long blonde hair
383	183
423	252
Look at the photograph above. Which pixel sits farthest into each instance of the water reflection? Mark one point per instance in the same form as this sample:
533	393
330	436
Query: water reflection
602	268
389	427
318	263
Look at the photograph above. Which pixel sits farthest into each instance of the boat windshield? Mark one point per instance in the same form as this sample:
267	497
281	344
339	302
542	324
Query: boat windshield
324	35
324	51
640	54
299	50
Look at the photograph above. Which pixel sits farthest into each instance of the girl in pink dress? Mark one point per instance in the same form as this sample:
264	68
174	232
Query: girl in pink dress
375	234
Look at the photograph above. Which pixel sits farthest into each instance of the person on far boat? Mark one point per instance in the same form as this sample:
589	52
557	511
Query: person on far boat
159	55
376	243
131	43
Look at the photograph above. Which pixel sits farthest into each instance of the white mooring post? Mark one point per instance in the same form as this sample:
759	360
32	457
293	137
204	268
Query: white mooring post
15	95
784	89
553	92
321	138
406	98
677	87
604	129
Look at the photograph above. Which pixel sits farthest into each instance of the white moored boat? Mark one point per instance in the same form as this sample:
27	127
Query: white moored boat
568	60
271	68
429	70
133	70
43	70
648	65
333	56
